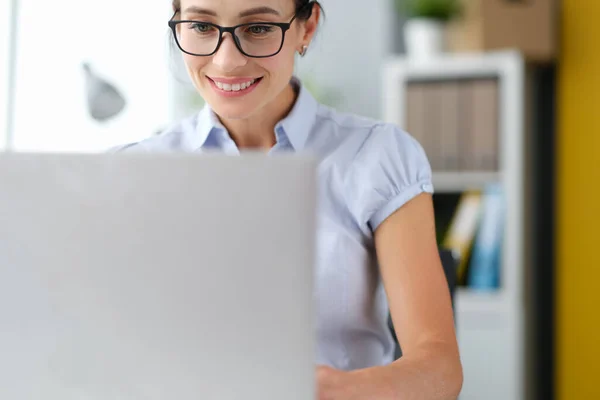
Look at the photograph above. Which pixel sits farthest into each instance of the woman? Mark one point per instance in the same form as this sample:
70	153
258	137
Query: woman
375	197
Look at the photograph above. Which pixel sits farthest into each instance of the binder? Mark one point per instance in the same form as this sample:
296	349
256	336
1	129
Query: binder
449	125
479	125
464	126
416	112
484	120
432	125
422	117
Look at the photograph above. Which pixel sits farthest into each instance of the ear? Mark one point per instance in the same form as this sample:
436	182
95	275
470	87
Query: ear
311	25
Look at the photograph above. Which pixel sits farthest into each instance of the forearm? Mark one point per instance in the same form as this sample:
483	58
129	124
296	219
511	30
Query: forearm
432	374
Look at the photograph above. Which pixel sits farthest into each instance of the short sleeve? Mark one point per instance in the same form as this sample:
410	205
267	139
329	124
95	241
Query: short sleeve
389	169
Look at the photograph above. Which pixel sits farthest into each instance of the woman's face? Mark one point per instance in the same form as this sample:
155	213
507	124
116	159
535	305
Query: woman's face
237	86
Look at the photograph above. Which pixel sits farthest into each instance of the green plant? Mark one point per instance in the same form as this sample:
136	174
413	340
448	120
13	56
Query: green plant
443	10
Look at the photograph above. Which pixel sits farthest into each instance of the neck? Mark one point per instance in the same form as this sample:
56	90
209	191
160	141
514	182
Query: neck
258	131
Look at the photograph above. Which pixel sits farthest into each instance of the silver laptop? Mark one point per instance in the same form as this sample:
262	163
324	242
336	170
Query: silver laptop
155	277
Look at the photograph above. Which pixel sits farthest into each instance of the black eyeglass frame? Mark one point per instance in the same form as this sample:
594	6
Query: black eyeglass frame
284	26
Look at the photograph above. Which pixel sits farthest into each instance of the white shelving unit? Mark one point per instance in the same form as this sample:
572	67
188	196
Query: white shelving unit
490	325
461	181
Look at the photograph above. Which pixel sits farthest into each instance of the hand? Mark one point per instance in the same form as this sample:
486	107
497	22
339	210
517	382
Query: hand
333	384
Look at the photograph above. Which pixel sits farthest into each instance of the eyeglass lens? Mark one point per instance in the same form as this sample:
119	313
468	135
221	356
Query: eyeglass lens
257	40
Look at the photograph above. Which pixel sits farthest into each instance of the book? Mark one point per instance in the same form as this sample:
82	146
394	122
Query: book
461	233
484	269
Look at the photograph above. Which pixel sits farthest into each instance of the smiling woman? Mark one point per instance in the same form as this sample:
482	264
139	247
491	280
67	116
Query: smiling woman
377	250
252	38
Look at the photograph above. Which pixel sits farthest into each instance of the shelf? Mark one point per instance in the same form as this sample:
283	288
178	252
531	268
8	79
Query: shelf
484	310
471	299
445	182
455	66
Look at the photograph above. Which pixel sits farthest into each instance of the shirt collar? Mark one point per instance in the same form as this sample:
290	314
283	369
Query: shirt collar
296	125
207	124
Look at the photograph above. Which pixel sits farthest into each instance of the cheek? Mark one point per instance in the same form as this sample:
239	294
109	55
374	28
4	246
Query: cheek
194	64
280	64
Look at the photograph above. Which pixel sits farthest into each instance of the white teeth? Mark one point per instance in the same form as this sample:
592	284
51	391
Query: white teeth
235	87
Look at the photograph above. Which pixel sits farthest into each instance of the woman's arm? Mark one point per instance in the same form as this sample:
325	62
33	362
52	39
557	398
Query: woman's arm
421	311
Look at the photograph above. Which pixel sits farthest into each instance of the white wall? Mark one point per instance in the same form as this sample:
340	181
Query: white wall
354	39
125	41
4	60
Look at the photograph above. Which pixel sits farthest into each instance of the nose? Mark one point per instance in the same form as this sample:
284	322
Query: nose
228	57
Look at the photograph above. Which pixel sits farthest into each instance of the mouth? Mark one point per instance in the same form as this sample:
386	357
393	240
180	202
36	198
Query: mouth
234	87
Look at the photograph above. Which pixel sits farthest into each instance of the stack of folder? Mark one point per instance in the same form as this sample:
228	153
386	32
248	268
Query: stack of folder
456	122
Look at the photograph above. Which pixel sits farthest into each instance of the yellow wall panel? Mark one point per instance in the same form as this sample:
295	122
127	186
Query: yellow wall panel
578	223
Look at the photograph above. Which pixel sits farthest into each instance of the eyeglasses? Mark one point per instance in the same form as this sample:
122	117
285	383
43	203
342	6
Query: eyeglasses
257	39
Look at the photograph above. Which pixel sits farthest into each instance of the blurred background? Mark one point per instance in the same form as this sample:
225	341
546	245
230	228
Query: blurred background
502	94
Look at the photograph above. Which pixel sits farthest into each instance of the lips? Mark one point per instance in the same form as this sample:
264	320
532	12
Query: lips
234	87
234	84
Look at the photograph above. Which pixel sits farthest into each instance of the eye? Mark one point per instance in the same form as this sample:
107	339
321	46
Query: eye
260	29
201	27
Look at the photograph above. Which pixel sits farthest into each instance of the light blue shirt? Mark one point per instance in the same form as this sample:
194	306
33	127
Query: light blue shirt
368	169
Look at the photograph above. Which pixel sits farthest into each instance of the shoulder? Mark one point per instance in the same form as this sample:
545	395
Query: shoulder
179	136
367	140
381	166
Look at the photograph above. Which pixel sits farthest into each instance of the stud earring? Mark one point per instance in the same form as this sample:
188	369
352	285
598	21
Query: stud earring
303	51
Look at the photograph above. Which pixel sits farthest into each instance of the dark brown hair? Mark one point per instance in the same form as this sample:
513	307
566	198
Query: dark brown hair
304	12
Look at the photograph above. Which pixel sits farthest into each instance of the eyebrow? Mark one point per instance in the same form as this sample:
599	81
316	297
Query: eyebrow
259	10
247	13
198	10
